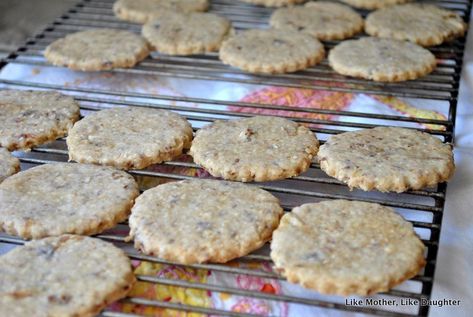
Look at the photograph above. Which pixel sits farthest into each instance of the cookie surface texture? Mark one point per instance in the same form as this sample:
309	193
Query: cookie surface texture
43	278
142	11
346	248
271	51
129	138
378	59
254	149
423	24
322	20
9	164
185	34
373	4
30	118
97	49
54	199
387	159
274	3
197	221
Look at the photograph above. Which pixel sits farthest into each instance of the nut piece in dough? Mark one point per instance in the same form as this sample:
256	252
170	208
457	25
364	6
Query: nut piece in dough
63	276
31	118
346	248
387	159
271	51
420	23
129	138
97	49
381	59
54	199
195	221
254	149
322	20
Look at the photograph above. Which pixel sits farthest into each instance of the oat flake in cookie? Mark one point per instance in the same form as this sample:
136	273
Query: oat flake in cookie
63	276
195	221
54	199
30	118
142	11
9	164
378	59
346	248
321	19
373	4
97	49
186	34
274	3
129	138
423	24
271	51
387	159
254	149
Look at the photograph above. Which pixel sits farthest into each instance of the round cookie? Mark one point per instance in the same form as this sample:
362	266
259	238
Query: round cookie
346	248
30	118
274	3
373	4
186	34
63	276
142	11
387	159
271	51
97	49
323	20
53	199
420	23
9	164
254	149
195	221
129	138
379	59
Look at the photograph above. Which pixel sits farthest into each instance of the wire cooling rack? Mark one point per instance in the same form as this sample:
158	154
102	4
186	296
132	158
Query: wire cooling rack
440	87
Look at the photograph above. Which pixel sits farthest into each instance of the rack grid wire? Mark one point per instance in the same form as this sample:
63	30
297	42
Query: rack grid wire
440	86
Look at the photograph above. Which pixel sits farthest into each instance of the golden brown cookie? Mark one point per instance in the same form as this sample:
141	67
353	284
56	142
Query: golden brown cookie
97	49
63	276
373	4
346	248
274	3
379	59
254	149
420	23
197	221
387	159
30	118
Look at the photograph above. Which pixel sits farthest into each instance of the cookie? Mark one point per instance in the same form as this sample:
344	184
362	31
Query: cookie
378	59
254	149
420	23
271	51
129	138
63	276
274	3
373	4
323	20
9	164
195	221
30	118
387	159
97	49
346	248
186	34
142	11
54	199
